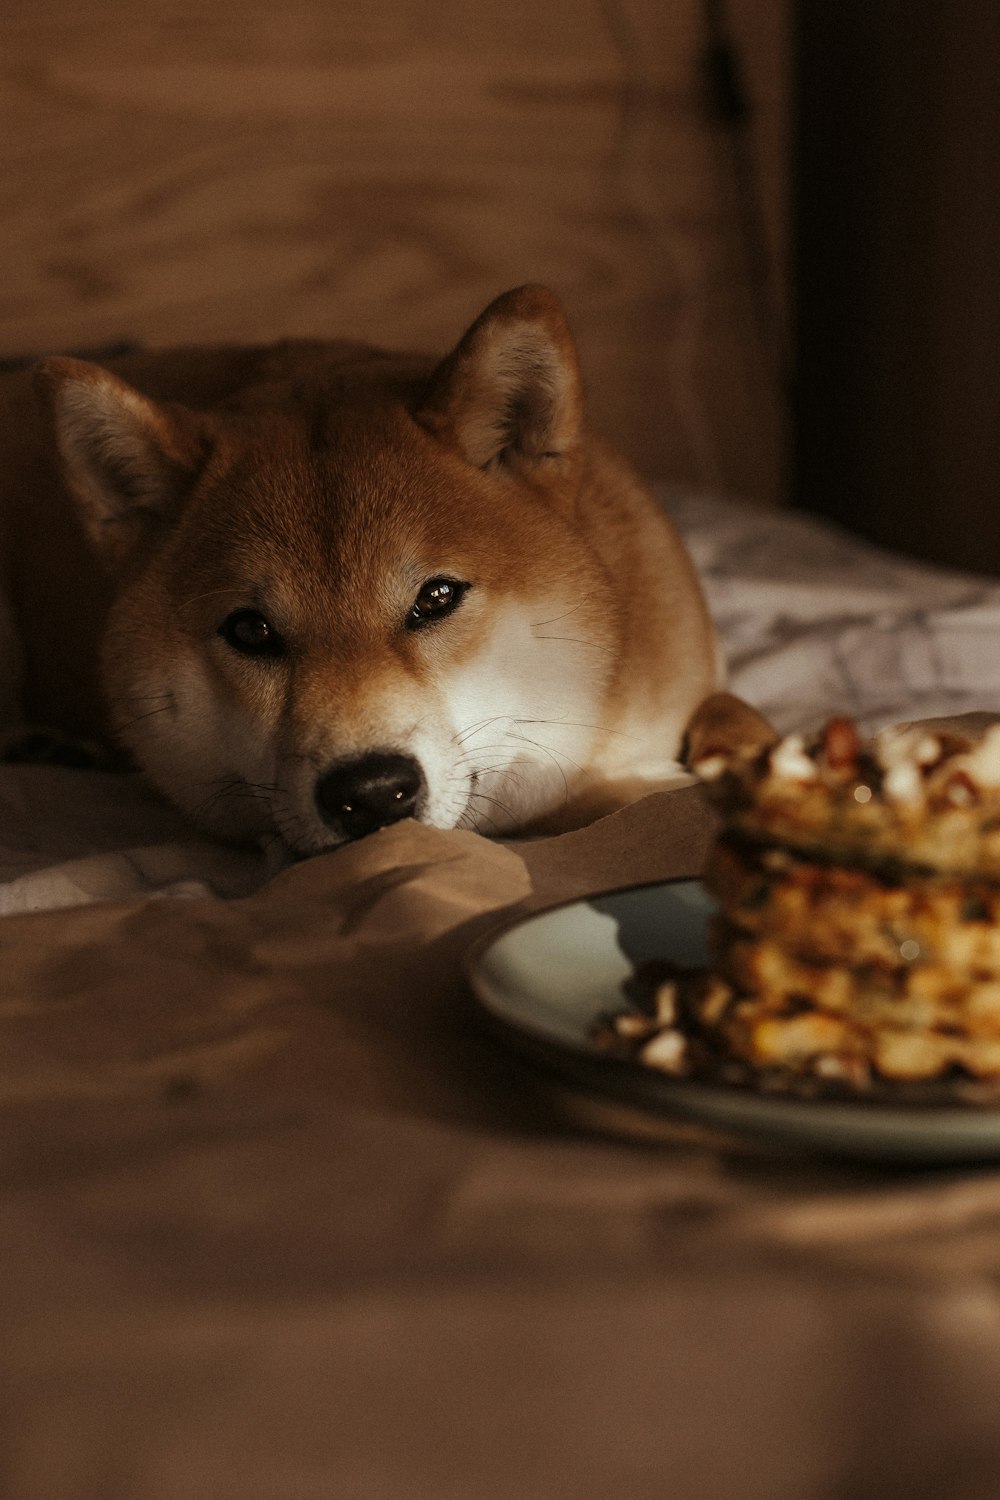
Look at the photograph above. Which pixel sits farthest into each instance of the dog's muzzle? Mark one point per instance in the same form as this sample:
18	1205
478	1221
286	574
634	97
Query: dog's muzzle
361	795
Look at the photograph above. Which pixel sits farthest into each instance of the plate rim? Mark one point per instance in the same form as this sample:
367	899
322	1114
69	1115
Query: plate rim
963	1132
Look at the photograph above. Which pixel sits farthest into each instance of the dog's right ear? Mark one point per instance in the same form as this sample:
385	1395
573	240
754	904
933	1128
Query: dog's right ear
127	460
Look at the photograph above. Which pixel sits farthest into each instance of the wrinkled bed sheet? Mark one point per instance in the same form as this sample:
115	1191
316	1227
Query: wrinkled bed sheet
280	1222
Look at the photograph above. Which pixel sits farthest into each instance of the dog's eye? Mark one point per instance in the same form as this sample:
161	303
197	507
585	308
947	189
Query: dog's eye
438	597
250	633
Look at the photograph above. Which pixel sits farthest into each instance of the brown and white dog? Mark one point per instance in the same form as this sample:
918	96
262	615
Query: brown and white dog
316	587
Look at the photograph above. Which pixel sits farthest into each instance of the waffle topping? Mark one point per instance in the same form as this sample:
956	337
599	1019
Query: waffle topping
857	942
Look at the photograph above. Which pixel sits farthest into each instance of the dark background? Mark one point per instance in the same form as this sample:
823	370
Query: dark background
896	184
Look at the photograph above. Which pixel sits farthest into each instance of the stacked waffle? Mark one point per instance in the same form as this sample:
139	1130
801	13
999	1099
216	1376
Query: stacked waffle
859	888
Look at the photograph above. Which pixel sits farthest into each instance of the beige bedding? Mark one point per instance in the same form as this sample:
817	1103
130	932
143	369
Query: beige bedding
279	1221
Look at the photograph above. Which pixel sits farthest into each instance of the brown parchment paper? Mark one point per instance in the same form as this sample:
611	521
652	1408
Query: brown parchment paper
279	1220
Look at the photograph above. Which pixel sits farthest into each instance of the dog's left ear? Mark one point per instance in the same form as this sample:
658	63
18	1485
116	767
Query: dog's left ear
127	459
511	391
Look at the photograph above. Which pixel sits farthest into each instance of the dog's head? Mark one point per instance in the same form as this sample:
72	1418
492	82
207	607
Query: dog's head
353	596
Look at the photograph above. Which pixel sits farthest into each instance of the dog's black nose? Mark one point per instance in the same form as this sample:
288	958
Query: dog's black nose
364	794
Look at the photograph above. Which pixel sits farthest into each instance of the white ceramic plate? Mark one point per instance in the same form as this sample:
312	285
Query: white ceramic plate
544	982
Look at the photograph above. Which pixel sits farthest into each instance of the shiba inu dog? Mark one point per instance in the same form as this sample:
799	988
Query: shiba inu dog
317	587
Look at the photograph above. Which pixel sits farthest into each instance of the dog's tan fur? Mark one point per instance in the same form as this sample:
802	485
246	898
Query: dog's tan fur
322	486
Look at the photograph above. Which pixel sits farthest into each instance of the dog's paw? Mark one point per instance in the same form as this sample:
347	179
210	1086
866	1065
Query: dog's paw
722	725
29	746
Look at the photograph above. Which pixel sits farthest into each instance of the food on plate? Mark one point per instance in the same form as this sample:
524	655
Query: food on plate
911	800
857	940
840	915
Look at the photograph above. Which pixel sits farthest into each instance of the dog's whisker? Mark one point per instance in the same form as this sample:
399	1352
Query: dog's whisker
493	801
481	816
476	728
473	757
559	724
504	770
573	640
228	592
237	789
581	724
292	833
575	609
552	755
507	772
150	713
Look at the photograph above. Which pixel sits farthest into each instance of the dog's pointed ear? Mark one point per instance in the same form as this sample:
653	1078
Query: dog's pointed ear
127	460
510	392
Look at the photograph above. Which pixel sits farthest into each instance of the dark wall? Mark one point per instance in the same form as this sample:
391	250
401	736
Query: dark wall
897	273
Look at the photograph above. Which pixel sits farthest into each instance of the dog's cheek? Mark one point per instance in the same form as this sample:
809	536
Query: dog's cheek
232	729
526	708
190	739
